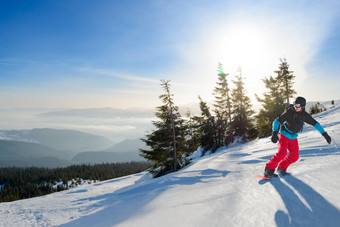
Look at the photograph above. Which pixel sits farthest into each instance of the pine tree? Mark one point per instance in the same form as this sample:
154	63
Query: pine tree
222	109
193	132
285	79
273	103
221	92
208	127
314	110
241	110
317	108
167	141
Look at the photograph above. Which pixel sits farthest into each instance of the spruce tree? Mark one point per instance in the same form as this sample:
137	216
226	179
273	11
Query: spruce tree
193	132
167	141
276	99
315	109
208	127
241	110
285	79
222	109
273	104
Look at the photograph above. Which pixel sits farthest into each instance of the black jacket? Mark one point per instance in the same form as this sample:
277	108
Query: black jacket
293	121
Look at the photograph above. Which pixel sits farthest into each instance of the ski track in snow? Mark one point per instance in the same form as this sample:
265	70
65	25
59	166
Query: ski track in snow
215	190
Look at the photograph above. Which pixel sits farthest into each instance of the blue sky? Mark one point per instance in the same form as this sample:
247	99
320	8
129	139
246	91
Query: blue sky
87	54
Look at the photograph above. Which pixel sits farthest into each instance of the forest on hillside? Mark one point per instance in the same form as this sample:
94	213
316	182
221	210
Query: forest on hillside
22	183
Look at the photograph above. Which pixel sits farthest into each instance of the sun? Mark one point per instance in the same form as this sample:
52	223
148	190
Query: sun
242	46
246	46
252	46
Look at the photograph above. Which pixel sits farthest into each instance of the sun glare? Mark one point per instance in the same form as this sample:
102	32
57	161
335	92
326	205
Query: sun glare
247	47
255	46
244	46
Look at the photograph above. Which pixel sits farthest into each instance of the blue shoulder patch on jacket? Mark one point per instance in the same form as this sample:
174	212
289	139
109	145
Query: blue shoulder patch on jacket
276	125
319	128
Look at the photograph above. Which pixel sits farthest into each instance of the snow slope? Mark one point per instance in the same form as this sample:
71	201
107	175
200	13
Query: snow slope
216	190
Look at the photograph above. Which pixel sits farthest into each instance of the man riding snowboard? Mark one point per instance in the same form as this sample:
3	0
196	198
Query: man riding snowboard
291	123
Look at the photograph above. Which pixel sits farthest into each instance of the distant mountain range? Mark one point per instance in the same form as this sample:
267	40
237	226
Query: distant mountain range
60	139
101	112
59	148
124	151
20	154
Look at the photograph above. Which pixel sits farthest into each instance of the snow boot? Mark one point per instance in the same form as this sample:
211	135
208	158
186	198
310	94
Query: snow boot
282	172
269	173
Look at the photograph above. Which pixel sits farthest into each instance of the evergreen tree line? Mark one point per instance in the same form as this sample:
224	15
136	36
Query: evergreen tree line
21	183
231	120
317	108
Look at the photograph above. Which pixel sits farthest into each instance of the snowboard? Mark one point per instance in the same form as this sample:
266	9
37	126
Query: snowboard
265	178
274	176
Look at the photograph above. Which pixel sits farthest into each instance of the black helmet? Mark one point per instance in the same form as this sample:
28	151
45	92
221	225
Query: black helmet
300	101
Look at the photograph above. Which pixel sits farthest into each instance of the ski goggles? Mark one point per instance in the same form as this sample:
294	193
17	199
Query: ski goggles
297	105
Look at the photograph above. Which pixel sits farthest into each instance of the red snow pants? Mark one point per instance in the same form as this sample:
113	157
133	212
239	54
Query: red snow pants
281	158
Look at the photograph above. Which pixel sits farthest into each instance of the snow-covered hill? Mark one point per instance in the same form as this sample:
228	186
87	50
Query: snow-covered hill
216	190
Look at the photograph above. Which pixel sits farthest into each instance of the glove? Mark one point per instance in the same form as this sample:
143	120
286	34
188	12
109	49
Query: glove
327	137
275	138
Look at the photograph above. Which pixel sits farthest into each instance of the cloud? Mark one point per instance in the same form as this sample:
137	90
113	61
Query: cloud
115	124
101	113
123	76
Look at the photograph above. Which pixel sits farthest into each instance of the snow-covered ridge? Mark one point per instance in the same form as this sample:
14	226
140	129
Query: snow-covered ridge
215	190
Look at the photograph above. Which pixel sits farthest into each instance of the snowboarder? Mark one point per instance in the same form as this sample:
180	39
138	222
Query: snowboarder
291	122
